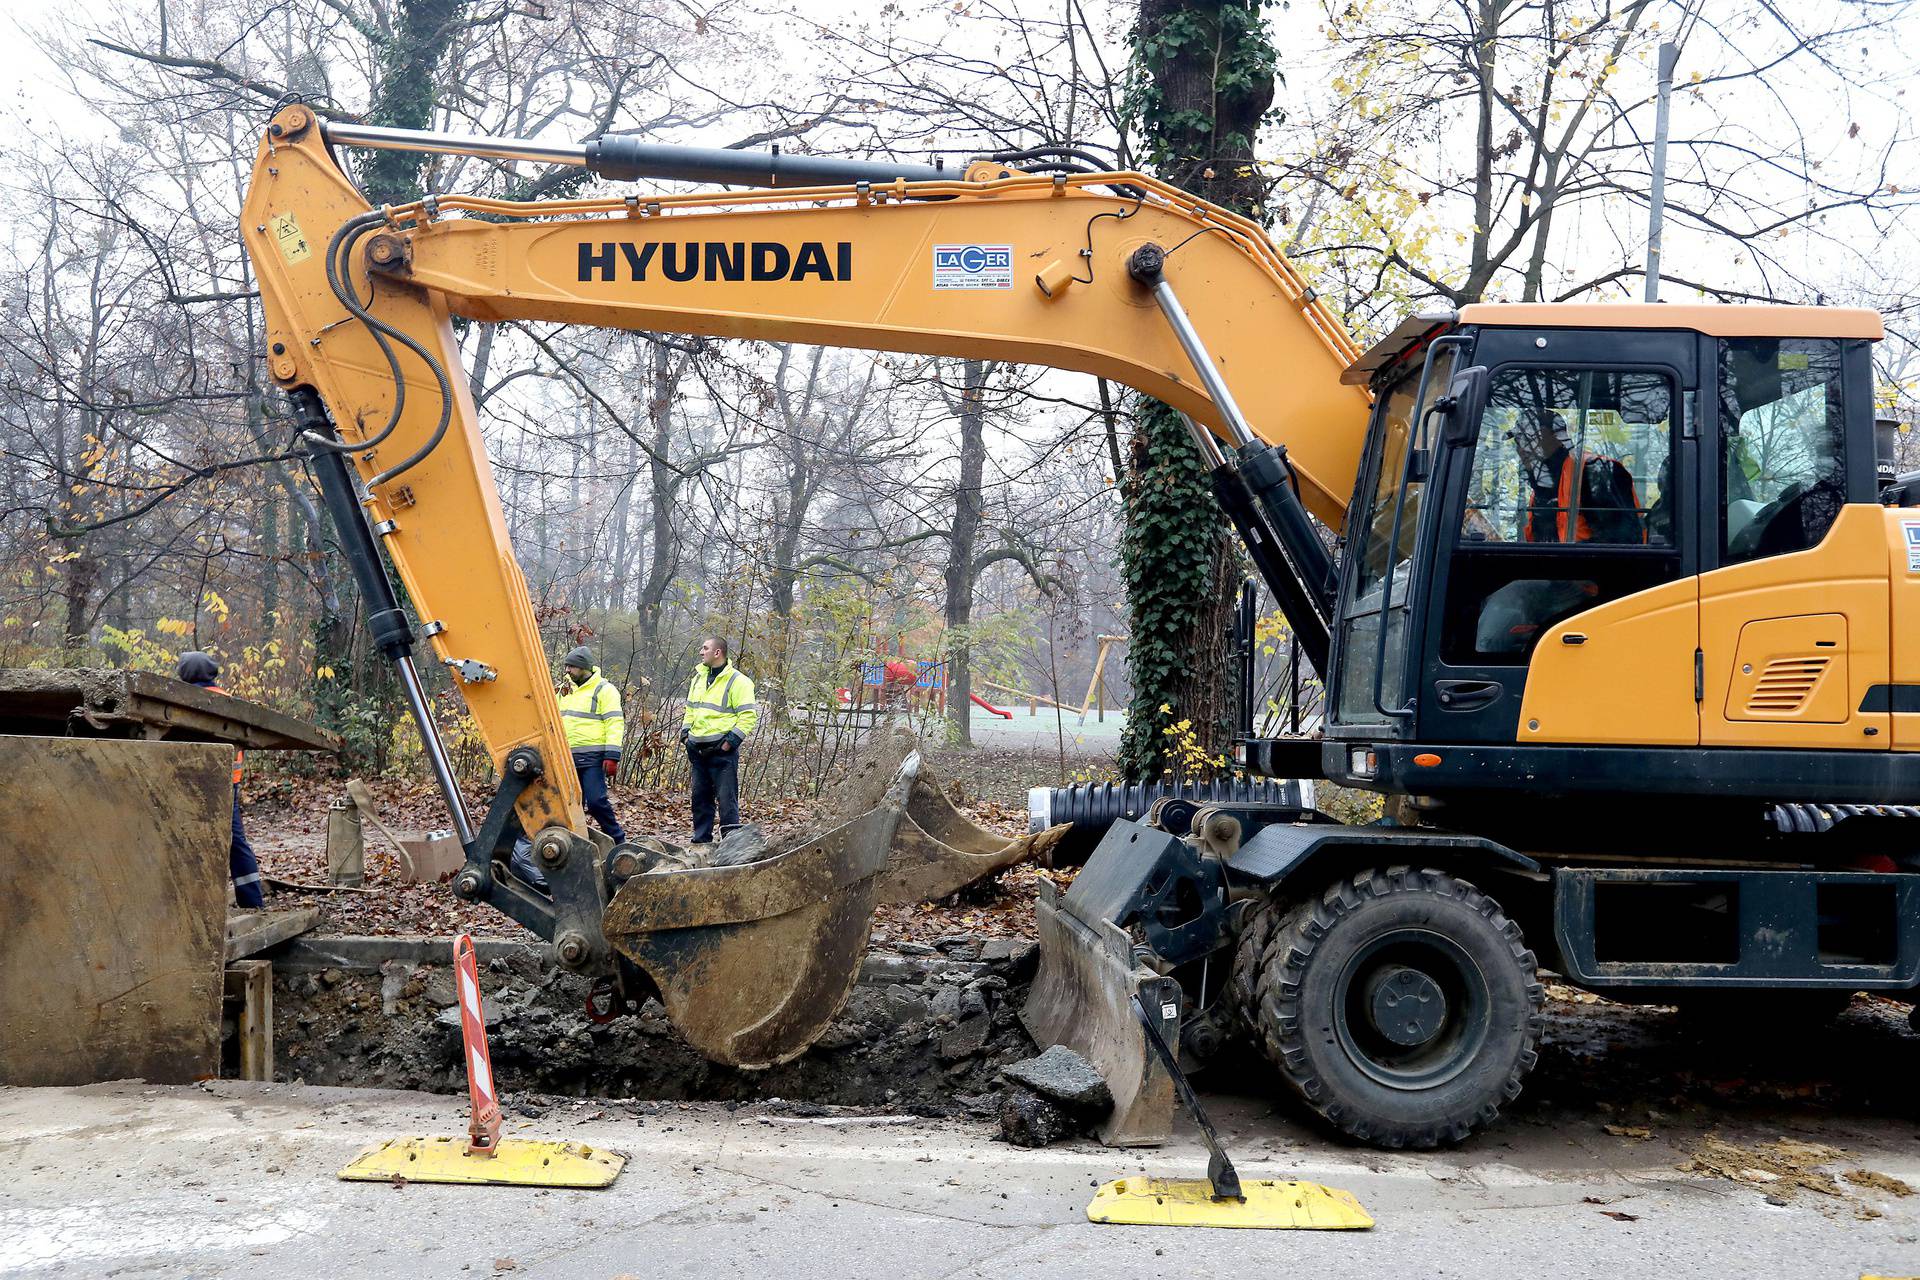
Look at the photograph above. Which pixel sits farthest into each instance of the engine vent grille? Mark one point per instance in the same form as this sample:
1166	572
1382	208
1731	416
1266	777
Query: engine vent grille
1786	684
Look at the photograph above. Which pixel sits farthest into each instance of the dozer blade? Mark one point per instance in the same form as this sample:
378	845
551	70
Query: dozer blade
938	850
1081	998
753	961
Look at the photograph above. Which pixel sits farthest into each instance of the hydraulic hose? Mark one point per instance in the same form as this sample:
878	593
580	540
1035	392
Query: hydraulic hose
1093	807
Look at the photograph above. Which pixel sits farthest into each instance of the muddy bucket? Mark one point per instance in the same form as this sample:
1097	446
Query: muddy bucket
752	961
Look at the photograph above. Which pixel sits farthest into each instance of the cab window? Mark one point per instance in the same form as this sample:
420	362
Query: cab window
1573	456
1782	445
1570	503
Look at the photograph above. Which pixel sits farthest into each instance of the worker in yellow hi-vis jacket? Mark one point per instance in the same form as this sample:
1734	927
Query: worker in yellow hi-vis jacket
596	726
720	714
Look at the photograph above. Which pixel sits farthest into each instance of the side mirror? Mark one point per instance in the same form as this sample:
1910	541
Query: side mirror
1465	401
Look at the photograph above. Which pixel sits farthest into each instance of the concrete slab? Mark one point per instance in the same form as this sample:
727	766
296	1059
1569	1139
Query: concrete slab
237	1180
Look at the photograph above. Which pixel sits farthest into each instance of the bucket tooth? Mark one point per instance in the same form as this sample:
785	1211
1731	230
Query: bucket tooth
1081	998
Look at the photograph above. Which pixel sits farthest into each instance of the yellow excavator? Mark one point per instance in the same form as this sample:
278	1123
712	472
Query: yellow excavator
1608	600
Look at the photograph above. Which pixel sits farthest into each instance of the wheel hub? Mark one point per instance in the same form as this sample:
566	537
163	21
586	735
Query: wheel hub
1405	1005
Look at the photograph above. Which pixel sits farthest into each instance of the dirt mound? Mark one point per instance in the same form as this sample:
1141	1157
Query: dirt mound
927	1034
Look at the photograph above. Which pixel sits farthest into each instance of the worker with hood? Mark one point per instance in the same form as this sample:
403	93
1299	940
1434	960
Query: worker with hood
200	669
596	726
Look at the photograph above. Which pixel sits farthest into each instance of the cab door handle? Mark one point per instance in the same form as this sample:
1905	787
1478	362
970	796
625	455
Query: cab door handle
1573	637
1467	695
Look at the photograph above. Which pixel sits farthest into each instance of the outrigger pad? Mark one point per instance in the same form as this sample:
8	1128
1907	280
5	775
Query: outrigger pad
1275	1206
516	1162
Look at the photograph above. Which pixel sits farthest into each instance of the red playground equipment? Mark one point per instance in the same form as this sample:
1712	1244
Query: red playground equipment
982	702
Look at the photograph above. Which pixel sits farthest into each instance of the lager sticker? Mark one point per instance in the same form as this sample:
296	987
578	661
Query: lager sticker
286	232
1911	528
973	266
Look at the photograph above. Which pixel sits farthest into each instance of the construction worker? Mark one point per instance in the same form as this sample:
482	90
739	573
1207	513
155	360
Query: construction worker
720	714
596	726
200	669
1604	506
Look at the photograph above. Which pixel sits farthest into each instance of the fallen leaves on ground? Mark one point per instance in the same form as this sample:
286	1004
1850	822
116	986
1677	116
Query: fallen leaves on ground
1782	1166
1878	1181
287	823
1634	1131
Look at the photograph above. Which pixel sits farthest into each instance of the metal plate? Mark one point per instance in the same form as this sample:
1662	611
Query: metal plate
517	1162
1274	1206
113	875
110	703
1081	998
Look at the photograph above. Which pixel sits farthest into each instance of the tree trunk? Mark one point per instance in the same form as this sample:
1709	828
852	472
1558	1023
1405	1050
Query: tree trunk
409	78
967	509
1208	73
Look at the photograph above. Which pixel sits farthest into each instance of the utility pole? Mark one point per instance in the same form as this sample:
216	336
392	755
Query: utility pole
1657	206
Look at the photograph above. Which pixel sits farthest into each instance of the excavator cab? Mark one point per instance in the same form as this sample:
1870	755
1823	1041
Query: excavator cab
1549	501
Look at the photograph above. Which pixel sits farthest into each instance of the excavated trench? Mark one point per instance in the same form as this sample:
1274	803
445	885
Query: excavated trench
929	1034
923	1033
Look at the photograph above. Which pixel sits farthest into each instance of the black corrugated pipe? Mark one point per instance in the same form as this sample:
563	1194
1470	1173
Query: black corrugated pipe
1093	807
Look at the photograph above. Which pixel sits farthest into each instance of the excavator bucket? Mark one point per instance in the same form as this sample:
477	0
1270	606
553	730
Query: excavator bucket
753	960
938	850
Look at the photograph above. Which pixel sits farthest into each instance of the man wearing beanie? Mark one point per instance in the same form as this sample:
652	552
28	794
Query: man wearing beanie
200	669
596	726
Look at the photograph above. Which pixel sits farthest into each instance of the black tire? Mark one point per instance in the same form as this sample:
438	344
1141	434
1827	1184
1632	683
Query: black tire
1316	982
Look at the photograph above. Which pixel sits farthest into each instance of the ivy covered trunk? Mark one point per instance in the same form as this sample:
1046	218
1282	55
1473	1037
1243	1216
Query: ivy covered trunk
1201	82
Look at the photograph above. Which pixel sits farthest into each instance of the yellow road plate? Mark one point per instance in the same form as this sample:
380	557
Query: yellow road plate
517	1162
1276	1206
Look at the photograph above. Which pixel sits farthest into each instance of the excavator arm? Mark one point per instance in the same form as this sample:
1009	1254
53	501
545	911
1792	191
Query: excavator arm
1073	271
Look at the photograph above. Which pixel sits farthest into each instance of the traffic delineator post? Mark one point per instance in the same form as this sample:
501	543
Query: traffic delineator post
483	1131
486	1157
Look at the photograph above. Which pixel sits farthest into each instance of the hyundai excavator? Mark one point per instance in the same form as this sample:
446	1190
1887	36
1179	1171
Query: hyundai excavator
1611	606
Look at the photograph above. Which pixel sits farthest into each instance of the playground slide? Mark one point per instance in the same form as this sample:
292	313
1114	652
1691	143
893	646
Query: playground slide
1004	715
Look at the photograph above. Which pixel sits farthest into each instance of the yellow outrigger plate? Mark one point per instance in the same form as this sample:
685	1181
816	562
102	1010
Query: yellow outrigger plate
517	1162
1276	1206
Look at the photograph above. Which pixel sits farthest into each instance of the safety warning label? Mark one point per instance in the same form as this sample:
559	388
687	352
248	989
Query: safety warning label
1911	528
286	230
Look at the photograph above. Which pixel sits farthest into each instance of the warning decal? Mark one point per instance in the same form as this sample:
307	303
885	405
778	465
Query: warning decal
286	232
1911	528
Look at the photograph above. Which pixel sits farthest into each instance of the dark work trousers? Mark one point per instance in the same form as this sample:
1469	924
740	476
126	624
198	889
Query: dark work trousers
593	792
241	863
716	785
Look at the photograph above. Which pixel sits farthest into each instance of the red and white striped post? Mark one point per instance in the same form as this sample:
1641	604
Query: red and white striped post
484	1130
